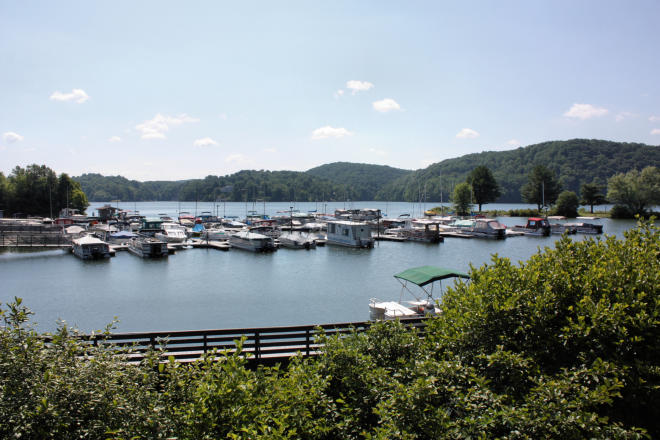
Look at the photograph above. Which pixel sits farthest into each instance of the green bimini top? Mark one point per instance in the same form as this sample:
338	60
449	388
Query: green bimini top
427	274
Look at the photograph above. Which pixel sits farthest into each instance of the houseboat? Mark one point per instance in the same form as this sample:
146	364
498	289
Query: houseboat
147	247
479	228
347	233
89	247
422	303
422	230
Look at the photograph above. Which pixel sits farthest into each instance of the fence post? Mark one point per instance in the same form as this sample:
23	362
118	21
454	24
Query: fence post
205	344
307	342
257	345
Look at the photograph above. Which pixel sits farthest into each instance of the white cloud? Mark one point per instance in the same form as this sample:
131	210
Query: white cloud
11	137
204	142
338	94
655	131
585	111
654	119
514	143
328	131
623	115
114	139
386	105
467	133
77	95
358	86
378	152
238	158
156	127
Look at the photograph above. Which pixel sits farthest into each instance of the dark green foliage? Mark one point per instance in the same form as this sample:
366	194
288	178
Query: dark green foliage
563	346
592	194
574	162
484	185
567	204
364	179
273	186
634	192
36	190
462	198
542	187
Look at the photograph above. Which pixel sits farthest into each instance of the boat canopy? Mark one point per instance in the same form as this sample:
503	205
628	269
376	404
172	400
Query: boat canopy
424	275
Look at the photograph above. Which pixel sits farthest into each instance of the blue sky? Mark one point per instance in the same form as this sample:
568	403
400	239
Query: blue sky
171	90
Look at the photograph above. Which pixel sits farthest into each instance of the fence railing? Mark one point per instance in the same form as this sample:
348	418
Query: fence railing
33	239
264	344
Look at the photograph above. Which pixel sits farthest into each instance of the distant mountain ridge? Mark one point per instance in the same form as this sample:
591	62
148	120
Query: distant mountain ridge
574	161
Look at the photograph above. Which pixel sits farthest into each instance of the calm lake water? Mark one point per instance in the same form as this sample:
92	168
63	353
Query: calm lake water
204	288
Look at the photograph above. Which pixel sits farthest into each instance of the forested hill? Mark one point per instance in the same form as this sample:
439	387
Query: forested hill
574	161
276	186
336	181
365	179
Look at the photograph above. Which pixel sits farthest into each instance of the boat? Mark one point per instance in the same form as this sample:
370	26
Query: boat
186	219
251	241
215	234
296	240
89	247
585	228
422	230
347	233
150	226
423	303
535	226
171	233
147	247
479	228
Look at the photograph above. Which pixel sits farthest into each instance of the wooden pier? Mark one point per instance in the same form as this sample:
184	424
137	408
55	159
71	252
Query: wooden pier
262	346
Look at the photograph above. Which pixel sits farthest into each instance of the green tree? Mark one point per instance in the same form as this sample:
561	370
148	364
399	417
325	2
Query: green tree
462	198
592	194
542	187
635	191
484	186
567	204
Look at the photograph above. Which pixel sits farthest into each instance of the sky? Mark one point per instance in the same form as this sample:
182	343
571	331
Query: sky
165	90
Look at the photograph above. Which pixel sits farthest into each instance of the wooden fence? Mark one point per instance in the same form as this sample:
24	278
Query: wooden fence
264	345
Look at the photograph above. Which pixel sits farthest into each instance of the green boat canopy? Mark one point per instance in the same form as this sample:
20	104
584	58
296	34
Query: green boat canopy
427	274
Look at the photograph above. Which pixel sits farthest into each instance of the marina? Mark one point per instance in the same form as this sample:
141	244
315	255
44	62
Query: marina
199	287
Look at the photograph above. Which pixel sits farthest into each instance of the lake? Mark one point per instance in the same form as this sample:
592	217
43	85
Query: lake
205	288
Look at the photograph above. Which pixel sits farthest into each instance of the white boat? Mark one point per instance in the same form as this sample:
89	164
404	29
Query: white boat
147	247
422	230
171	233
585	228
421	304
215	234
296	240
89	247
347	233
250	241
535	226
480	228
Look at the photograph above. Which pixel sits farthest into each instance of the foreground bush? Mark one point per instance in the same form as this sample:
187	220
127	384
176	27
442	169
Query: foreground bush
565	345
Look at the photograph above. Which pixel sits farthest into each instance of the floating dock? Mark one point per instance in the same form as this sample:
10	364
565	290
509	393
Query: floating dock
219	245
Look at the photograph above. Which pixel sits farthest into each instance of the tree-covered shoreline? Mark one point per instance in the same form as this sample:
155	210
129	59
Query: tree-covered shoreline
564	345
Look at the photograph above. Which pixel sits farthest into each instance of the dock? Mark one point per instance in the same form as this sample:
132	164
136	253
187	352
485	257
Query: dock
388	237
218	245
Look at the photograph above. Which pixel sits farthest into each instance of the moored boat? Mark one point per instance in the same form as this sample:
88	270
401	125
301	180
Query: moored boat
147	247
171	233
250	241
351	234
90	248
535	226
296	240
423	303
